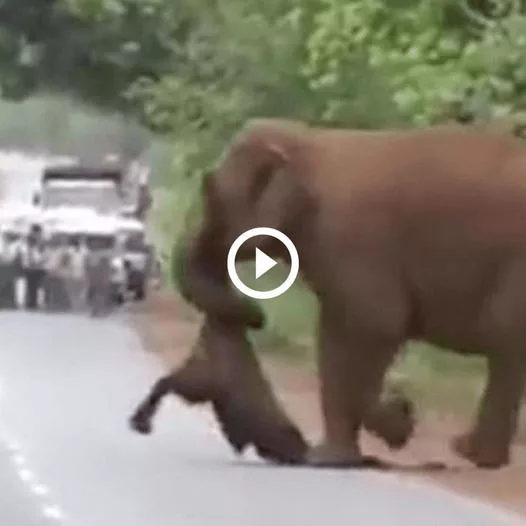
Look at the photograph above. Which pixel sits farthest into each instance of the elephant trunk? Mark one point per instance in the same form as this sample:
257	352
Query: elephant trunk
199	270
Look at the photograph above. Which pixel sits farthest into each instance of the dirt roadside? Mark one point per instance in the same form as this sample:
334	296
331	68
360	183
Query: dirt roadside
168	327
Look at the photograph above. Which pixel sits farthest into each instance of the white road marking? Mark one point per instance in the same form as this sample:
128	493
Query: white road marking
53	512
48	508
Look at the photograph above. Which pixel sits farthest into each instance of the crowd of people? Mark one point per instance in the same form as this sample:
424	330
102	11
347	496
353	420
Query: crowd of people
69	277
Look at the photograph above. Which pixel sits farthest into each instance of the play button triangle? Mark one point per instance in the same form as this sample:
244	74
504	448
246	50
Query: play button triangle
263	263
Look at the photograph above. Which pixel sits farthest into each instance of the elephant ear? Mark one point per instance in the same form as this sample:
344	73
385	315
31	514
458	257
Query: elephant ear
273	160
276	191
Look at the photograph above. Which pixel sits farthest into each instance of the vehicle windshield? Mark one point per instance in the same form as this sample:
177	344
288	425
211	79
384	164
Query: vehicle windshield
134	241
102	196
62	239
100	241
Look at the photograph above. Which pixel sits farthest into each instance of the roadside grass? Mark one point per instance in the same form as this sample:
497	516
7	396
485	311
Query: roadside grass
439	379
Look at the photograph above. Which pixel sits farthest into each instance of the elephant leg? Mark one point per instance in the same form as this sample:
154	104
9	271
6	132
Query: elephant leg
351	372
487	445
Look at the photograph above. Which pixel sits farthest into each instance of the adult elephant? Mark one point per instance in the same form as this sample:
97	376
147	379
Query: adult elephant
402	234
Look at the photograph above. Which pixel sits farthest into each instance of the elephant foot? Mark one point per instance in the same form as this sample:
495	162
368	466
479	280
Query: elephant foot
331	457
141	422
393	421
487	456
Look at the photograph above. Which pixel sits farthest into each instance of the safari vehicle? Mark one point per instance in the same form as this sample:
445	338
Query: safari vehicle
136	255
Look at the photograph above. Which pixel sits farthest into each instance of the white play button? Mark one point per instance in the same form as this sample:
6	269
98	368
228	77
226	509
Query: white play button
263	263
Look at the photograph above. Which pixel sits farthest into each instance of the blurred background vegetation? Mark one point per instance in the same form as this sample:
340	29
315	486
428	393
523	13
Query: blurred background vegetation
176	77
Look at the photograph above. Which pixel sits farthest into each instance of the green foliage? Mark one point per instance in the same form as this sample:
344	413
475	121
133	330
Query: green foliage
195	70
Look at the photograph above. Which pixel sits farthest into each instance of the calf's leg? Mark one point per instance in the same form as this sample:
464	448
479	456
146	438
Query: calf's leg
193	382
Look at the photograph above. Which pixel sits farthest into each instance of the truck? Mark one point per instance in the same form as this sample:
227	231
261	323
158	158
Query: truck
108	188
93	187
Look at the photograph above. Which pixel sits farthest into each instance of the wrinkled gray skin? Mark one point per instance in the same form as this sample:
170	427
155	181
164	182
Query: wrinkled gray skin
402	235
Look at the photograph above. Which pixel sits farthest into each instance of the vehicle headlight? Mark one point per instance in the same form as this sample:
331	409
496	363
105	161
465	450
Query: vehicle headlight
117	268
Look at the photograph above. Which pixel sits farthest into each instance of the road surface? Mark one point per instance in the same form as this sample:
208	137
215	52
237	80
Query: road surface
67	386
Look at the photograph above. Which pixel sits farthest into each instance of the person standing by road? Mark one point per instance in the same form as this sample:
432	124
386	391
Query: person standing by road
8	272
77	279
56	276
33	266
98	272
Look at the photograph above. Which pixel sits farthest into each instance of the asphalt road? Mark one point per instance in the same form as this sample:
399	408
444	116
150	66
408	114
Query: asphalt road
67	386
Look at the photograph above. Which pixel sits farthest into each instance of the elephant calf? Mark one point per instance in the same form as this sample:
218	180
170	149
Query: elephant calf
224	371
